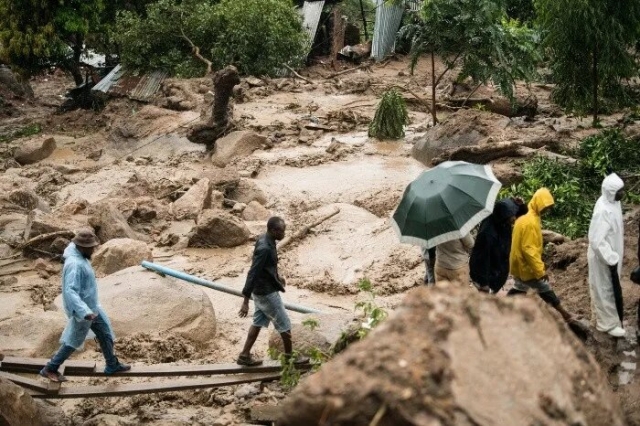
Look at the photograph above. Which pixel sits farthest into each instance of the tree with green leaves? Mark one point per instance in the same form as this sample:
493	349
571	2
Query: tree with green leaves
476	36
590	44
256	36
36	33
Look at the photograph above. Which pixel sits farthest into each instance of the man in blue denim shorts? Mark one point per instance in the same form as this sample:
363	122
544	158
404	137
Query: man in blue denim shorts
265	284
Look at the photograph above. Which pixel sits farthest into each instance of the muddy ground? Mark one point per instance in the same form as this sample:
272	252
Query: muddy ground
318	157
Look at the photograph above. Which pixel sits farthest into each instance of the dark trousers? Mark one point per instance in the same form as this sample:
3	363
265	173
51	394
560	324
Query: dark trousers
101	330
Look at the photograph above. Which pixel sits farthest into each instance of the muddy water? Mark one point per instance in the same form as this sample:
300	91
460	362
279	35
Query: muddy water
340	182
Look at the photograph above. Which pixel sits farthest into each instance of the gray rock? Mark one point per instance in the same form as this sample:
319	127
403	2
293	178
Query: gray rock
33	151
196	199
255	212
216	228
237	144
118	254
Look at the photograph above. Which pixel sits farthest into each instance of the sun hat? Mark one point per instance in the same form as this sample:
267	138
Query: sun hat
85	238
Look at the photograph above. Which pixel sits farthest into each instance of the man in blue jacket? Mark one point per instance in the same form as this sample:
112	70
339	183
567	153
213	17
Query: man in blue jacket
80	300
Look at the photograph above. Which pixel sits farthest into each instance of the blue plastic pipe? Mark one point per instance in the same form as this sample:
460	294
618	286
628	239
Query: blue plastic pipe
210	284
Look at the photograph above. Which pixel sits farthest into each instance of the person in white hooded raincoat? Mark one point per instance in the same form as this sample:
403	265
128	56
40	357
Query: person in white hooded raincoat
606	246
80	301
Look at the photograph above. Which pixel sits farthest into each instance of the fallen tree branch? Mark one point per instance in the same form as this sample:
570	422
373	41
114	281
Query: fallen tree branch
44	237
336	74
305	230
297	75
483	154
16	271
195	51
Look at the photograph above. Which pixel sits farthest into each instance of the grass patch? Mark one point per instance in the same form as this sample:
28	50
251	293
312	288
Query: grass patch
30	130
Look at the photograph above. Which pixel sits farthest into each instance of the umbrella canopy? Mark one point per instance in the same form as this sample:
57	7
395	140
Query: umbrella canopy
445	203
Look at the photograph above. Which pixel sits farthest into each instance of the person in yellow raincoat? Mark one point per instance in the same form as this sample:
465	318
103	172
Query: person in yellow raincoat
525	260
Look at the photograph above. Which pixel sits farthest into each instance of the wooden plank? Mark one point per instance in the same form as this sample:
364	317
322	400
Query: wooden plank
35	385
168	370
157	387
31	365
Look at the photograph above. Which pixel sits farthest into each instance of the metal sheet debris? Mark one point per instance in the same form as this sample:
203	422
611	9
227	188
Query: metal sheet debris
311	12
388	18
139	87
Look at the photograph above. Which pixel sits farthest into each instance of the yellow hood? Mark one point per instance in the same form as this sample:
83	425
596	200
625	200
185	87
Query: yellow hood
540	200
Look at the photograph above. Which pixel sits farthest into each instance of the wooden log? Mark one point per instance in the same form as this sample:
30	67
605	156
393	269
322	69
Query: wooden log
32	384
43	237
168	370
157	387
483	154
305	230
89	368
31	365
336	74
305	79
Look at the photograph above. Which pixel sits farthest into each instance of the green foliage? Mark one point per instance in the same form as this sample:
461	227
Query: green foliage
583	36
35	33
477	36
521	10
290	375
390	118
257	36
30	130
576	187
311	323
372	313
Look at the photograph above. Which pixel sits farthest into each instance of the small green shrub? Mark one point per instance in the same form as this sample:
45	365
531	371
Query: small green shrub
30	130
390	118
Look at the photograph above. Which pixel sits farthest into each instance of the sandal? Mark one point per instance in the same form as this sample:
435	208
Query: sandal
248	361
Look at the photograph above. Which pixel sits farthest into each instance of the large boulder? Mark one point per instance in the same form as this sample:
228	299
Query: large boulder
246	191
18	408
141	302
255	212
196	199
109	223
463	128
33	151
304	340
217	228
237	144
28	199
451	356
118	254
40	223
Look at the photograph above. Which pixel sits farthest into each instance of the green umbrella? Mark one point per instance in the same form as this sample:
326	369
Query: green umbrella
445	203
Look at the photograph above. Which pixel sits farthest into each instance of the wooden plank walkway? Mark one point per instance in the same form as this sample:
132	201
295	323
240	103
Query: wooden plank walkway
223	375
154	387
89	369
34	365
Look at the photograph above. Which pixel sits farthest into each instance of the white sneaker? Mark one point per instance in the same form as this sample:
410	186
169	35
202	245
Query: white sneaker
617	332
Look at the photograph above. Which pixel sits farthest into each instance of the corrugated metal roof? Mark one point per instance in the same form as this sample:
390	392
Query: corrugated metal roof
311	11
414	5
388	18
121	82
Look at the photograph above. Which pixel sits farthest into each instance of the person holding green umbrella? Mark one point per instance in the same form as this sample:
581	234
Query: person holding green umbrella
442	206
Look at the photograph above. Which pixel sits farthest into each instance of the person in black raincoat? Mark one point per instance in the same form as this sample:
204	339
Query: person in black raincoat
489	262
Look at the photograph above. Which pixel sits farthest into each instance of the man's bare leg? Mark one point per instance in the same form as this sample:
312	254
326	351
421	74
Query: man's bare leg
252	336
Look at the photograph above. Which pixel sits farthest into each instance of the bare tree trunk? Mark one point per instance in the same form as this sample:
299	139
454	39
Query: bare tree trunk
364	21
207	133
74	68
433	88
